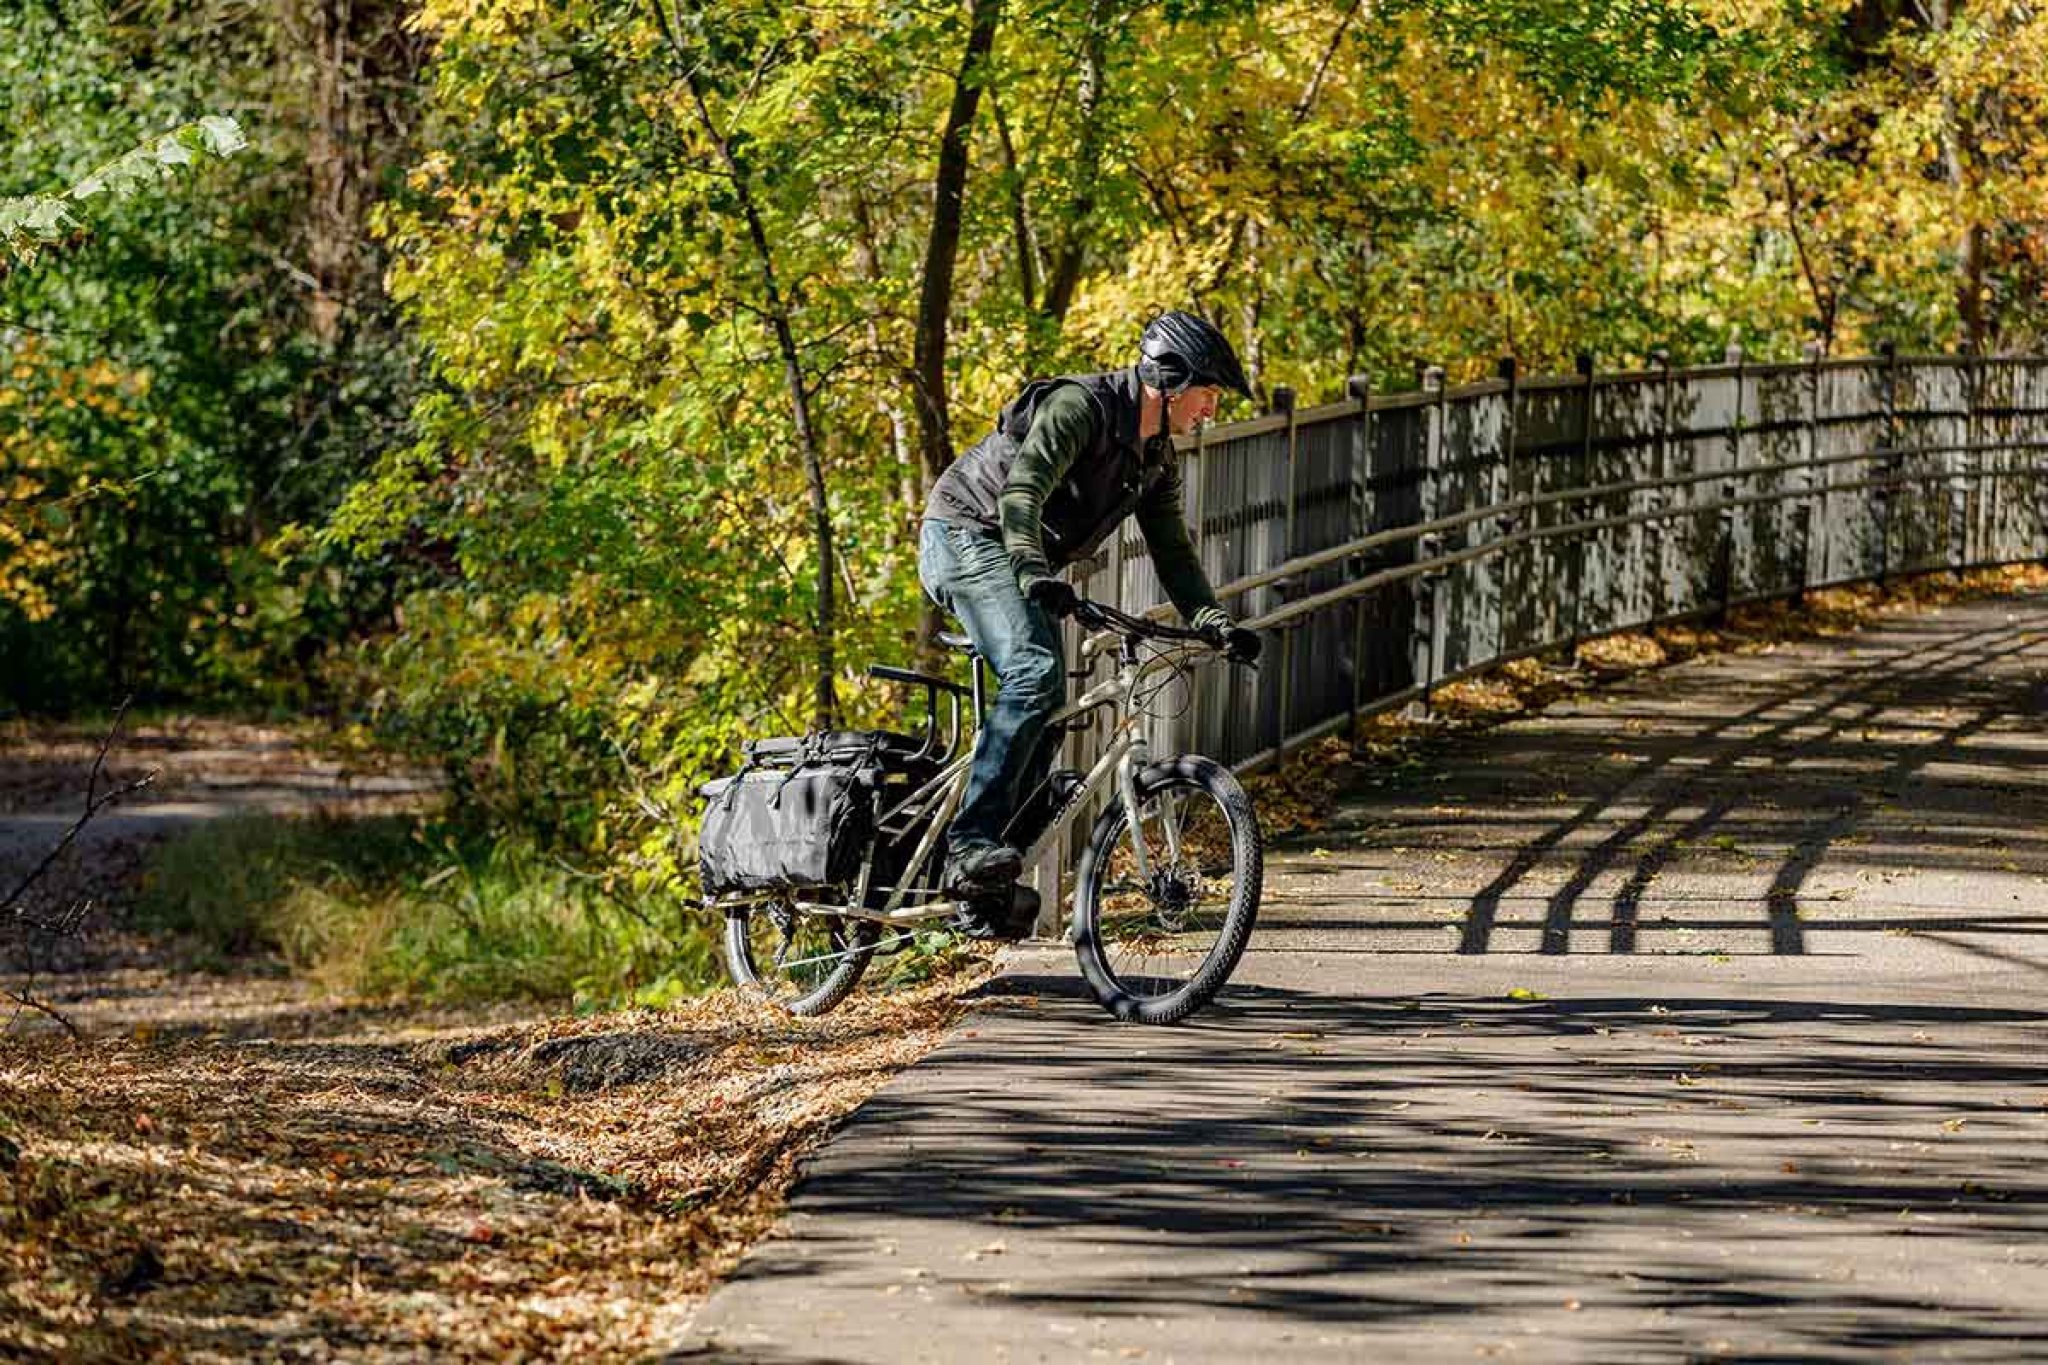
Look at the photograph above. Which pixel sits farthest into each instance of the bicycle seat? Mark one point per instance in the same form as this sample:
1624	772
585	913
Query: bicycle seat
952	641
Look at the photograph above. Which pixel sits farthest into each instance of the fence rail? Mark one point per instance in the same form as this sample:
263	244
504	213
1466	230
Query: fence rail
1394	542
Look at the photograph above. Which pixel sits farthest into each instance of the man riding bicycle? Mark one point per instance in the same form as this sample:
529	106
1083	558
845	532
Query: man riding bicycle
1068	461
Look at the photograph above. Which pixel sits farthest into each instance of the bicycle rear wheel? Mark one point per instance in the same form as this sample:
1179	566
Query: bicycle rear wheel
1156	948
794	960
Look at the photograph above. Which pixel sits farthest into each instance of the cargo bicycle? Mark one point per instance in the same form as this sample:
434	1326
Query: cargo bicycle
825	850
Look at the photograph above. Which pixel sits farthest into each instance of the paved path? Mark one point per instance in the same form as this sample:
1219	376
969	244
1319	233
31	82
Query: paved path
206	770
1700	1018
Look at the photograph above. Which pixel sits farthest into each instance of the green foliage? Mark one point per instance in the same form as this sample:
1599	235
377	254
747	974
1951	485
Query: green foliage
32	221
393	908
167	407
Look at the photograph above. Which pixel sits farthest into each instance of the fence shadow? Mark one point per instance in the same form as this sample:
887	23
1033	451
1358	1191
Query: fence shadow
1913	755
1412	1168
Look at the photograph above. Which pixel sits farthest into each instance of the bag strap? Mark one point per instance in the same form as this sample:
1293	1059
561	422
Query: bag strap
802	757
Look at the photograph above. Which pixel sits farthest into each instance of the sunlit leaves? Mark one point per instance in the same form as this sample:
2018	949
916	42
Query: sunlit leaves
37	220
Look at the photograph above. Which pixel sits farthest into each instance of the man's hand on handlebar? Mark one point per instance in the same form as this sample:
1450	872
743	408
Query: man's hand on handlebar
1234	642
1054	596
1238	644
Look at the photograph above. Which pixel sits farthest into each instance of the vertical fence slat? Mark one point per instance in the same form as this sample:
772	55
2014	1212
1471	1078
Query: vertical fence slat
1575	509
1423	643
1359	390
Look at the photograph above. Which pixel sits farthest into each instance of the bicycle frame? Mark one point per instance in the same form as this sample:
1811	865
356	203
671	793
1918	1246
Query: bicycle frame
933	804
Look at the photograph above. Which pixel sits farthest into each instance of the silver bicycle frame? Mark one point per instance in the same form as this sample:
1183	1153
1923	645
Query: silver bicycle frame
1122	760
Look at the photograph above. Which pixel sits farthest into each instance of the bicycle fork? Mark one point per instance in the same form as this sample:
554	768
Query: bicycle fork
1135	759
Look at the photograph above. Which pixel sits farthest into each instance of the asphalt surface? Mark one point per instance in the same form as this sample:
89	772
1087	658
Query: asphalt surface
1698	1018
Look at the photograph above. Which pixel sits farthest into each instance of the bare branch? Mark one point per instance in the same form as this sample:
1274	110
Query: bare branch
24	1001
95	802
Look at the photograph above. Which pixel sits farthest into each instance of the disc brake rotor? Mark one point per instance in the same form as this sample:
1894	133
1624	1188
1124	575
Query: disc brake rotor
1173	892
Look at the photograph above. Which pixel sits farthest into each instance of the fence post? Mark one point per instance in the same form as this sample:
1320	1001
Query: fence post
1984	491
1423	643
1507	523
1221	682
1806	512
1660	465
2023	378
1724	522
1359	389
1819	501
1283	402
2032	463
1961	465
1888	461
1575	509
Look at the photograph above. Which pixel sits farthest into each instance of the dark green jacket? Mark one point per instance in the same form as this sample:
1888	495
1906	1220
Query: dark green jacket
1059	474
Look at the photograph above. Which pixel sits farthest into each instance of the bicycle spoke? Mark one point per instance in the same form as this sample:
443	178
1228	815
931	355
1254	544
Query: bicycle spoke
795	952
1158	927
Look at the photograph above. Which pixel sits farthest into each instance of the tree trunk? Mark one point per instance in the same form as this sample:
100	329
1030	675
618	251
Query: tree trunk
935	298
1020	216
334	208
1073	248
942	248
358	67
1957	140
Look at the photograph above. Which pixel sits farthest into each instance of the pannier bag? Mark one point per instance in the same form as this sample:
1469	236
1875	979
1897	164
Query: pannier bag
799	816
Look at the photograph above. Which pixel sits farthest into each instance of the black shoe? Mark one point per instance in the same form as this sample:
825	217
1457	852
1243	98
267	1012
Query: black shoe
1004	915
981	867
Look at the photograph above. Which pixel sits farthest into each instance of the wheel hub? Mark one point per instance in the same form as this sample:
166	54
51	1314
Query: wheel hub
1173	891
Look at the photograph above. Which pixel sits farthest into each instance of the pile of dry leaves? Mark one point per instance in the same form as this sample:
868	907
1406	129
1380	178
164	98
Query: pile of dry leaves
562	1189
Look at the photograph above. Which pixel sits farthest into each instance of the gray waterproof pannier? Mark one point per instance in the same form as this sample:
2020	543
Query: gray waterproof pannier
799	816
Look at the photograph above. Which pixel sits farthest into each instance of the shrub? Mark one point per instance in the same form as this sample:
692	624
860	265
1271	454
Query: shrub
397	907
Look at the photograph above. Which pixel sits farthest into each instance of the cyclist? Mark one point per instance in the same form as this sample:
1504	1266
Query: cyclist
1068	461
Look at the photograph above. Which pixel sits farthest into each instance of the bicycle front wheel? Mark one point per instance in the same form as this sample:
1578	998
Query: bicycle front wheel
1155	945
797	961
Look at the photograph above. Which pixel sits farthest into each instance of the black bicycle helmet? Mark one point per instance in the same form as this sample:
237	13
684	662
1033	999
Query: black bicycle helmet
1179	350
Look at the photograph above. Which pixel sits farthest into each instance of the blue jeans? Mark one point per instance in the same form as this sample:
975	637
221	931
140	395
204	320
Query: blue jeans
968	573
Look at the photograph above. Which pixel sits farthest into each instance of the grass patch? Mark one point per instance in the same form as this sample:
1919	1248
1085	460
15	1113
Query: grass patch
393	906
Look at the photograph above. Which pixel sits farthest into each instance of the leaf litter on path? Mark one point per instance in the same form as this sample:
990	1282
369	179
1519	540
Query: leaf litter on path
564	1189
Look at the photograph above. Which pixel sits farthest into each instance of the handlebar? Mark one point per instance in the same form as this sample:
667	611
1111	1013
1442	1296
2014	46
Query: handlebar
1102	616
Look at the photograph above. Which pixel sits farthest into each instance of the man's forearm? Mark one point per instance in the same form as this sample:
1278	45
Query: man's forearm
1174	560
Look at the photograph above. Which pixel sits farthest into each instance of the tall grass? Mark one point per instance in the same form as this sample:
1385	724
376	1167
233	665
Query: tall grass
394	907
